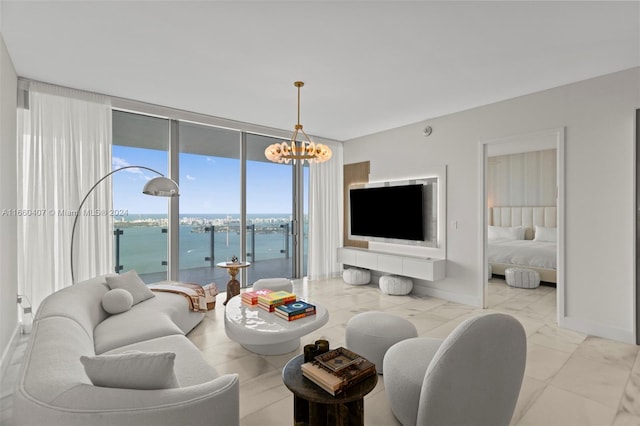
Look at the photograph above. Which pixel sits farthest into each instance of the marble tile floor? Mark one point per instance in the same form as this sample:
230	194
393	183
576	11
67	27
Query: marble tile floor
570	378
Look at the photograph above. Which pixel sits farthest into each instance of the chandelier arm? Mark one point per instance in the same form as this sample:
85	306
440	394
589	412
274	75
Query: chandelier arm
294	139
306	136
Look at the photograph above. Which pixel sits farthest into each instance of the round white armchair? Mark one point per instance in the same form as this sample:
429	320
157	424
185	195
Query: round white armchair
472	377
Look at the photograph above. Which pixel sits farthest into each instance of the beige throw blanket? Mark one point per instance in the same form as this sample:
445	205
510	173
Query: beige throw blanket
201	298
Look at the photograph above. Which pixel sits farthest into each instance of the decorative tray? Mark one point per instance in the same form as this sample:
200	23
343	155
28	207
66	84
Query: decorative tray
338	359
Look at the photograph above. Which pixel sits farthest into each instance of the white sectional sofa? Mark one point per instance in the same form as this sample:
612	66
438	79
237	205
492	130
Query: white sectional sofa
54	389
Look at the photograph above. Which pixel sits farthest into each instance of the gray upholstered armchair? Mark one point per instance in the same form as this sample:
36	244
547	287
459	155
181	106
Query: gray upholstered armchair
275	284
472	377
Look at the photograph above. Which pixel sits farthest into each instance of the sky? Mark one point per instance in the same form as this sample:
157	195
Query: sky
208	185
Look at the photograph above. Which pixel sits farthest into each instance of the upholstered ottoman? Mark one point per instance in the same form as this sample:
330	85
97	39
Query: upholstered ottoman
356	276
371	333
396	285
522	277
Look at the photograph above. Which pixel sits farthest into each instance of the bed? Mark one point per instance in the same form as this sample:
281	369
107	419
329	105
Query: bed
512	240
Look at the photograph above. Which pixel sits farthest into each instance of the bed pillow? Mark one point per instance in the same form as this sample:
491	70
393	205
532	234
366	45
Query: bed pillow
132	370
546	234
131	282
117	301
506	233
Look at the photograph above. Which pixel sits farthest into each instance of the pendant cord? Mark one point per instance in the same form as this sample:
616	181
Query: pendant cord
298	105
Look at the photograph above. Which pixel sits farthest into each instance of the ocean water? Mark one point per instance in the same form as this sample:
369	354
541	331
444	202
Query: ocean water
143	245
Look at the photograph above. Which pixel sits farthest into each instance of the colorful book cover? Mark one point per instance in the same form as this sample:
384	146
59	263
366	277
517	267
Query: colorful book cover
268	308
296	307
288	318
251	297
277	297
294	317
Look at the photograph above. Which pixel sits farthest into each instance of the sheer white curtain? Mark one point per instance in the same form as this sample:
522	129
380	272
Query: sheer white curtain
325	216
64	147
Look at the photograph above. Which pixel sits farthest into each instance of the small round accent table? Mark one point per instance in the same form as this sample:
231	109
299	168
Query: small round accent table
233	286
314	406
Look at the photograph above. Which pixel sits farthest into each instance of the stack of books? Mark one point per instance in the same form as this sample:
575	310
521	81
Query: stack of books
295	310
251	297
338	370
269	301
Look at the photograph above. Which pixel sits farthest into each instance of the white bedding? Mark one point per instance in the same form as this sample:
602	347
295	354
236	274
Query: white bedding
538	254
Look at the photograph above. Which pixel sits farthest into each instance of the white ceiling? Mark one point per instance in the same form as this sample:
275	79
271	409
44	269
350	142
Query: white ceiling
367	65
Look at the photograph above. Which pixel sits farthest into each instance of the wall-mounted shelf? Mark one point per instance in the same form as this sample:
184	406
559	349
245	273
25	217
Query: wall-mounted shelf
423	268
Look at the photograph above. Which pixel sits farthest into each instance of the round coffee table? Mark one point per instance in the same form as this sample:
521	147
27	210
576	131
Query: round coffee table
265	333
312	405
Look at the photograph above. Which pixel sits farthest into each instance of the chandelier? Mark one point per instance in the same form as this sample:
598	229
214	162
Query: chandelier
285	152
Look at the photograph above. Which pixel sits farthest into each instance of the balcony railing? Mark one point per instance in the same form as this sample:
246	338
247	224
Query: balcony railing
201	247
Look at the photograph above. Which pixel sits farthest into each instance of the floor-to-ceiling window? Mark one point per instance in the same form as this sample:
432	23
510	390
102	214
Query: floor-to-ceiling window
222	173
210	197
269	195
140	221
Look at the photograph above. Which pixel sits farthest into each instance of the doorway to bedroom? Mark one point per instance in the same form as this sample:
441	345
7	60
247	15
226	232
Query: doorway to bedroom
522	223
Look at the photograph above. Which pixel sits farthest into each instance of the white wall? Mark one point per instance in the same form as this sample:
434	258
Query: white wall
8	195
598	115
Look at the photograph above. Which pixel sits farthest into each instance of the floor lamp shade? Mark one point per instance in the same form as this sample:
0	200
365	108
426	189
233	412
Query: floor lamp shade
159	186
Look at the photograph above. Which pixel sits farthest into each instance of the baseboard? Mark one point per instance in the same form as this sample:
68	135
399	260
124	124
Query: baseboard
422	290
9	350
597	329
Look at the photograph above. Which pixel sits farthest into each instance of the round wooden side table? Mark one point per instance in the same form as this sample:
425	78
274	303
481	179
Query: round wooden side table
233	286
313	406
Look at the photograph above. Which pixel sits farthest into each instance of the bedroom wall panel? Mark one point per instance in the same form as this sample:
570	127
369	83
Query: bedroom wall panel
550	218
598	116
522	179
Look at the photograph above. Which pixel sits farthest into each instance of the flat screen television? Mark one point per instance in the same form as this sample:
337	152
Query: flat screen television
391	212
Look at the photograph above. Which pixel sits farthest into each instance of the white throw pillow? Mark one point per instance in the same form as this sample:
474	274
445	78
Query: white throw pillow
505	233
546	234
132	370
131	282
117	301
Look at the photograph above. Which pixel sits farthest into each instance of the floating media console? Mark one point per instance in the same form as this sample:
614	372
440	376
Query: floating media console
423	268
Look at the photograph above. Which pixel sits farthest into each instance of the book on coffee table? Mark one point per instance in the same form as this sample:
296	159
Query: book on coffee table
268	302
295	310
293	317
251	297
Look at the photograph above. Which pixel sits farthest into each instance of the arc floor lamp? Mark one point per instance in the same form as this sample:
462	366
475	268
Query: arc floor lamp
159	187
